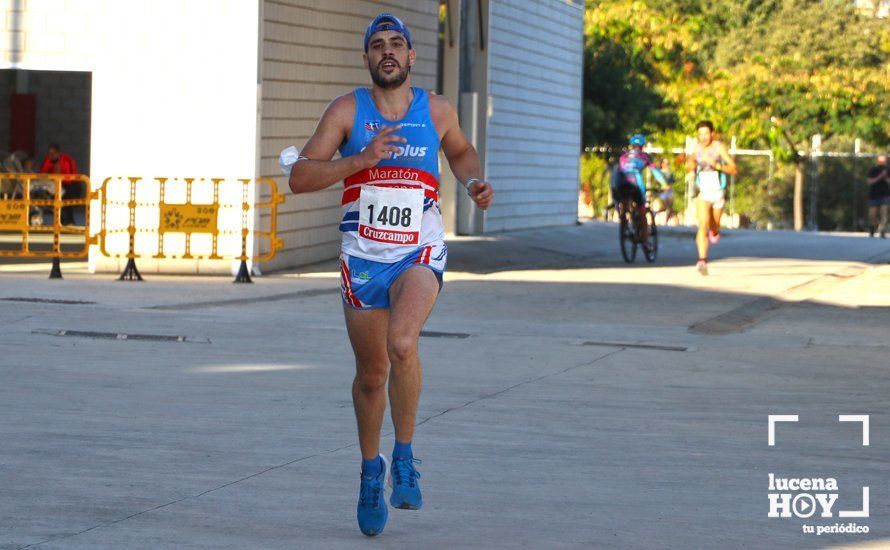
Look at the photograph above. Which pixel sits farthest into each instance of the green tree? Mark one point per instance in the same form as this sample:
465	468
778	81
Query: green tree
773	73
828	76
621	76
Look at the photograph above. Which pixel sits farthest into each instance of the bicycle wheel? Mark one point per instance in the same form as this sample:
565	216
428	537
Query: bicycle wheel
651	251
627	236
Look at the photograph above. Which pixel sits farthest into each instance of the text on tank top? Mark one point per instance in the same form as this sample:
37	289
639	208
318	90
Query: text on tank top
391	209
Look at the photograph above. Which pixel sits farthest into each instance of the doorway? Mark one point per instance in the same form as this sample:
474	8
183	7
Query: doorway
43	108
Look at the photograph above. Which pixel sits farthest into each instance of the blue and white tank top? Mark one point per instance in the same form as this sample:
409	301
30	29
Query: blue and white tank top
393	208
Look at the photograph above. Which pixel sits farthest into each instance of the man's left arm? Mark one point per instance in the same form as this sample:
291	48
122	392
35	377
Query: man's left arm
728	165
659	177
462	156
70	165
656	172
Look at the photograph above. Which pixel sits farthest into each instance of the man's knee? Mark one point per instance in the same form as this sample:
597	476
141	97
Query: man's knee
372	378
401	349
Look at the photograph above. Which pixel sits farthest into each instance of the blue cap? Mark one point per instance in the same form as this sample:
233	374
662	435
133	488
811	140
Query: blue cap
638	139
387	22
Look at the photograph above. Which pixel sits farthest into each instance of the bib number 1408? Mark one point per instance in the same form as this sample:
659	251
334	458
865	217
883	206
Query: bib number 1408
389	215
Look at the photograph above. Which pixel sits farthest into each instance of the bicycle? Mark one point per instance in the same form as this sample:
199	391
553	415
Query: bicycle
630	231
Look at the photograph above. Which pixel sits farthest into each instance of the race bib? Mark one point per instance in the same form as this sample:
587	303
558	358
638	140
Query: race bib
709	180
389	215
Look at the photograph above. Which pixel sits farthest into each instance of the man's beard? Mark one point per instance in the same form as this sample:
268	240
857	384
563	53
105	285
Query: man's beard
389	82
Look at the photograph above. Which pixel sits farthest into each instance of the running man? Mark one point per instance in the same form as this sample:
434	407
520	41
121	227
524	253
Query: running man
392	254
707	168
629	183
878	179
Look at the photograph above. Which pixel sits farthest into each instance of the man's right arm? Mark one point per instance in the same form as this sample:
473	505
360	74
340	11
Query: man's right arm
690	169
315	170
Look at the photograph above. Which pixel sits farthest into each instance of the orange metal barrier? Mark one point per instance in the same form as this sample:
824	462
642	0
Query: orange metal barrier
21	211
154	212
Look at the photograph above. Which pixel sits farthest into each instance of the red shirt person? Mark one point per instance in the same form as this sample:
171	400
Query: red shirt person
57	162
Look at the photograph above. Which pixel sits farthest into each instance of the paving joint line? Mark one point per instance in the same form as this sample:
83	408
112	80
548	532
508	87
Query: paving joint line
191	497
517	385
307	293
315	455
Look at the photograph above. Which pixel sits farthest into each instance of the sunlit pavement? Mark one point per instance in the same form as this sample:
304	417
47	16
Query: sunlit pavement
570	400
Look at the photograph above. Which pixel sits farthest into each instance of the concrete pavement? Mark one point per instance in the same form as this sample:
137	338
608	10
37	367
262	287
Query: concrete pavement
570	400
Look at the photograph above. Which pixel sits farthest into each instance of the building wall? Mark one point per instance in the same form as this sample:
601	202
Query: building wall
63	111
63	114
7	88
174	84
219	93
533	138
312	53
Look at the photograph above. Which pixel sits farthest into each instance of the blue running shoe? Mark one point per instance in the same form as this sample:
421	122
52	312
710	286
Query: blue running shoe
405	489
371	511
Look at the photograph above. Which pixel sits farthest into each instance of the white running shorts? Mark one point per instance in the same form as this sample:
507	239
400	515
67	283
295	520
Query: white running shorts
709	189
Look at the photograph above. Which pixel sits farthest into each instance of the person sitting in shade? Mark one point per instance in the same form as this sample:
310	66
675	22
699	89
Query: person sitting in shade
57	162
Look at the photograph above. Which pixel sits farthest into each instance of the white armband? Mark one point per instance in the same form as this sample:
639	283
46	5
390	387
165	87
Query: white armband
288	158
470	182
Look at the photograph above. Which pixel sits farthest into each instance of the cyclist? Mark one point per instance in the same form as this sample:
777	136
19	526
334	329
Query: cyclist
707	168
628	183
